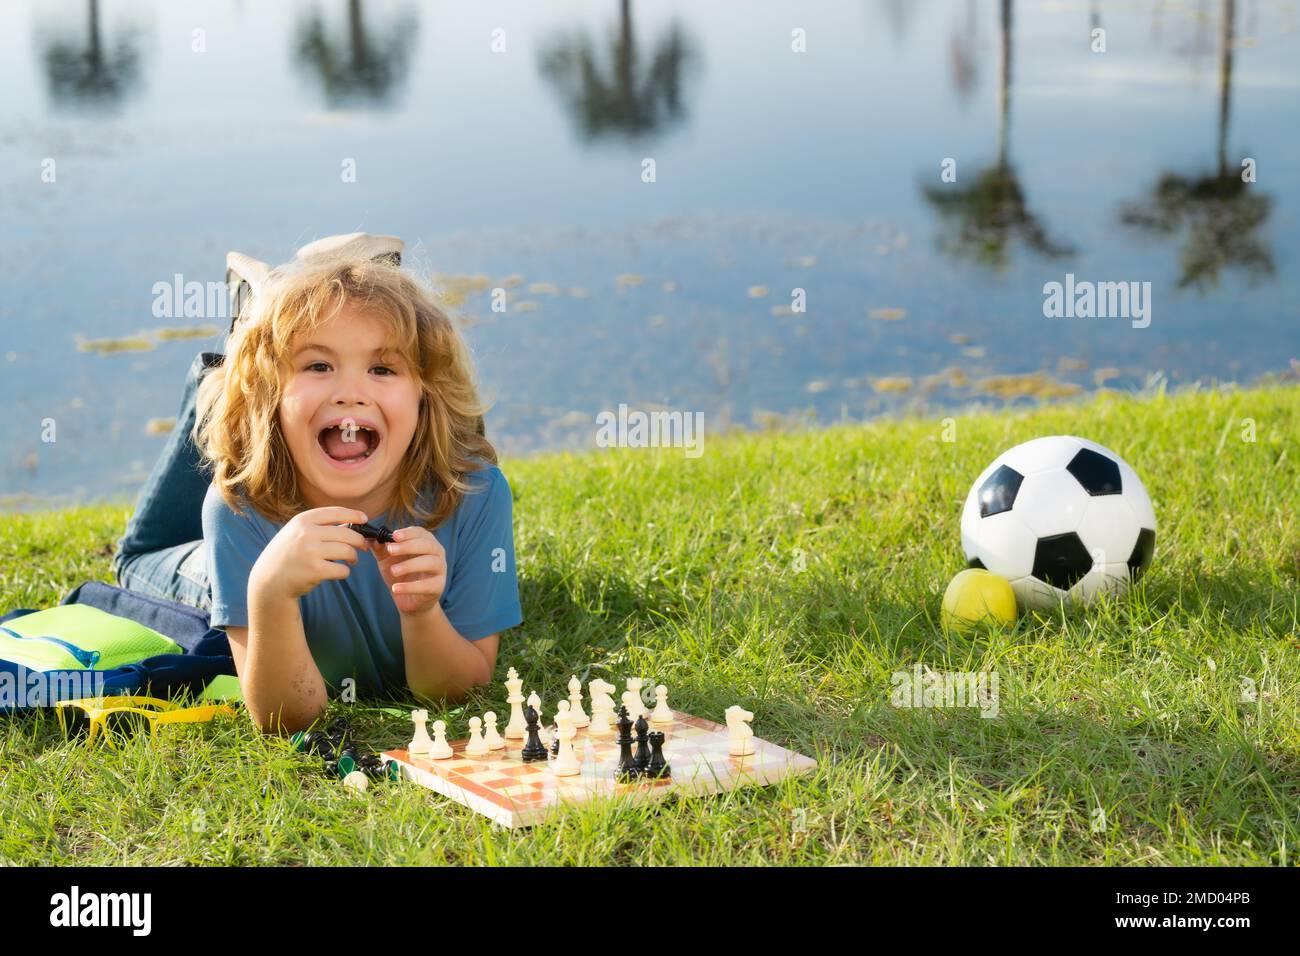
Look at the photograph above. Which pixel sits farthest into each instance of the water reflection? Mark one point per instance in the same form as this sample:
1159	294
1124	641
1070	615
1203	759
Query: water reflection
962	46
622	94
986	216
899	14
1219	212
357	65
88	71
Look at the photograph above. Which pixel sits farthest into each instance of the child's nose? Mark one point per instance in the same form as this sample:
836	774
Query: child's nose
351	389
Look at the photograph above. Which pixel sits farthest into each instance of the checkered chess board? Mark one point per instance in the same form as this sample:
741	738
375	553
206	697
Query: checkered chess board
517	794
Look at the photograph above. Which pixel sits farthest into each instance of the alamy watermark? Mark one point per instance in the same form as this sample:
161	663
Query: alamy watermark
1099	300
23	688
923	687
636	429
75	908
179	299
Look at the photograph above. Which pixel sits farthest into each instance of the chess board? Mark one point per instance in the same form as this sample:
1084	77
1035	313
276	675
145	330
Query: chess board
517	794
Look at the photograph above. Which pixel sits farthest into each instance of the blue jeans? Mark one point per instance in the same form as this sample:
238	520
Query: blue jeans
161	553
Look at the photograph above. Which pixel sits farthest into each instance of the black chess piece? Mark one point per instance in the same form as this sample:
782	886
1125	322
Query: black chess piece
626	766
642	758
534	749
658	768
381	534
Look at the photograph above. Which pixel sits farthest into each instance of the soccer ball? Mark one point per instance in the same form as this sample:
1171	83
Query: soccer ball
1061	518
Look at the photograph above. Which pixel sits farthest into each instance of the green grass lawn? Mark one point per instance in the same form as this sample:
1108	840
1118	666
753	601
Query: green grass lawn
1175	710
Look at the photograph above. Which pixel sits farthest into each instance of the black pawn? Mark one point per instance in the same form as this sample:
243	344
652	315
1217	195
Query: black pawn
642	758
533	747
658	768
626	766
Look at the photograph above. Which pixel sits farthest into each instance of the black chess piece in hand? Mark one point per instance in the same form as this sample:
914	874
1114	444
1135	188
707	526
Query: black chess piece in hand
381	534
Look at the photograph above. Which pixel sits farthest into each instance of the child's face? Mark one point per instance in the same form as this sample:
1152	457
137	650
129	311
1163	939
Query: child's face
346	374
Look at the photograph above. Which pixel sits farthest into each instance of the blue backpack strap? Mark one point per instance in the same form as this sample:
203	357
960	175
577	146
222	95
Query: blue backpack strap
169	674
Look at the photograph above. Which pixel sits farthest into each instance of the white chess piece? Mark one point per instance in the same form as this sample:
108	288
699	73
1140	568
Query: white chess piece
631	699
566	761
420	743
516	726
493	738
440	749
663	713
634	685
358	781
739	733
600	693
543	734
602	708
476	746
580	718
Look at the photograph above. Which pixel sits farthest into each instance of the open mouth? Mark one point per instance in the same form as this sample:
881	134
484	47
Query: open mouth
348	445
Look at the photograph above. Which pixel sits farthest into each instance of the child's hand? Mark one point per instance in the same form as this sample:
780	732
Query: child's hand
305	552
414	566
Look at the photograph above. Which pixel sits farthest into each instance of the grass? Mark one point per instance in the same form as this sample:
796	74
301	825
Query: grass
1175	710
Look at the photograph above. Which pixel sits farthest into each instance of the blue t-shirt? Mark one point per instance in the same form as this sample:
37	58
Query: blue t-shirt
352	626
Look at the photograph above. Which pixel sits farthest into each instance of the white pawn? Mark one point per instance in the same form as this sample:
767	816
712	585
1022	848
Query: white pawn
663	713
494	741
357	781
580	718
440	749
476	746
739	734
634	685
566	760
420	743
543	734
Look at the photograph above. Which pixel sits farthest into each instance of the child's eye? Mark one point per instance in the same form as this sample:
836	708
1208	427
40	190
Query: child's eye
384	368
318	367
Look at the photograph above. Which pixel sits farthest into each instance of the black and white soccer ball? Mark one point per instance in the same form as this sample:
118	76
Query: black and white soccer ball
1062	519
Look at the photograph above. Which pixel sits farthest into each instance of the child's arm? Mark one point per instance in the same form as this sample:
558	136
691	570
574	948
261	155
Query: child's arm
440	663
283	688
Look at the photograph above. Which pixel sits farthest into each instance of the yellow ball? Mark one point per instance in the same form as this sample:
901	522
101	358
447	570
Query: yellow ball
976	597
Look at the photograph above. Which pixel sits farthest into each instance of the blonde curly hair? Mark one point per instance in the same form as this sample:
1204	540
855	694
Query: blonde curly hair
237	430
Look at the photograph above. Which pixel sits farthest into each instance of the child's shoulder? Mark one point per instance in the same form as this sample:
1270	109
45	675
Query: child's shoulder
487	492
219	513
486	478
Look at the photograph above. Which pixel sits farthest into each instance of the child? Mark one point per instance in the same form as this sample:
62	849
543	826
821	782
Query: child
346	397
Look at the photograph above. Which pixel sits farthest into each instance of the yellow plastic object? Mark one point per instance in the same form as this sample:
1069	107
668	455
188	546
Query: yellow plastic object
975	597
111	715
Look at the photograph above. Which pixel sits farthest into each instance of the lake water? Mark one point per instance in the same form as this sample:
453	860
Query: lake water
141	141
